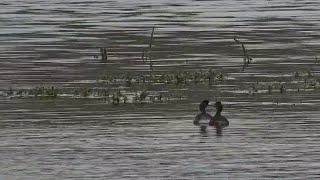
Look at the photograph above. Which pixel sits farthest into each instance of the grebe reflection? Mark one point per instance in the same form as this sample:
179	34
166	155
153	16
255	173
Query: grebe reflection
203	118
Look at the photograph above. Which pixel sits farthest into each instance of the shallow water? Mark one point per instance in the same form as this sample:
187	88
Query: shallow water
54	43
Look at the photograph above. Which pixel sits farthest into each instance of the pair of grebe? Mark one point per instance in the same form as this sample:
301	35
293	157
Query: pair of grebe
203	119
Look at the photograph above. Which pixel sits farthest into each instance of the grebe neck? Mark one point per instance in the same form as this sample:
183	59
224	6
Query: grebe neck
219	110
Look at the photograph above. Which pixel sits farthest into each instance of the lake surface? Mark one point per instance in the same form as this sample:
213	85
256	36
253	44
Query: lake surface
272	135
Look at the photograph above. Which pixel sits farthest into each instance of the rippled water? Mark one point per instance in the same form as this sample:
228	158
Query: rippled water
54	43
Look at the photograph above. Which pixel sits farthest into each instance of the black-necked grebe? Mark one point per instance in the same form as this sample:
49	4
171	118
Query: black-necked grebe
203	118
219	121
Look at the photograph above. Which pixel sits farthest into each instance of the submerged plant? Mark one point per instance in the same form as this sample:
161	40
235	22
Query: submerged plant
115	99
282	89
128	80
125	99
104	55
143	96
144	56
179	78
105	93
150	49
220	76
152	99
196	77
270	89
135	97
43	92
85	92
160	97
53	92
147	52
246	58
211	76
10	92
21	92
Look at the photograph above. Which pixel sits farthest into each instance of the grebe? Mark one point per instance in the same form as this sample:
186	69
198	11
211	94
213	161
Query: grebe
203	118
218	120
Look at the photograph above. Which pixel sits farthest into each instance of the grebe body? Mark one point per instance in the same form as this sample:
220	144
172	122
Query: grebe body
219	121
203	118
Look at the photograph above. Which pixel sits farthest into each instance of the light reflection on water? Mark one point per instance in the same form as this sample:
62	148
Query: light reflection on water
271	136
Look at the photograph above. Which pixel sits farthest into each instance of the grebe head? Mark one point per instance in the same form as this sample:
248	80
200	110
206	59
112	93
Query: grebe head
218	106
203	105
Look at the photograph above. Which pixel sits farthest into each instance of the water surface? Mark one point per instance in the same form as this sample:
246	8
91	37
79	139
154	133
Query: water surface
54	43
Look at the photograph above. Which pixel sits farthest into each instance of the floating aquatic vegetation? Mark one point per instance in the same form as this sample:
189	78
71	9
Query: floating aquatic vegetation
43	91
179	77
35	92
110	96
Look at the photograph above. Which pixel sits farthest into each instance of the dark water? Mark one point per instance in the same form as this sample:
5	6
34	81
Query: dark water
45	43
